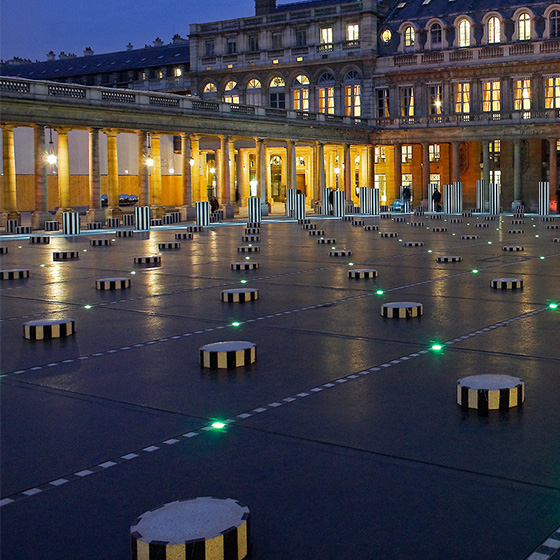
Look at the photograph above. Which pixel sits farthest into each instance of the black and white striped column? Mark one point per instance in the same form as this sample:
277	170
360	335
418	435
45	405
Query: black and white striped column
254	209
70	223
453	198
494	203
11	225
326	208
544	198
338	204
376	202
366	200
291	202
203	213
480	195
142	217
300	207
431	189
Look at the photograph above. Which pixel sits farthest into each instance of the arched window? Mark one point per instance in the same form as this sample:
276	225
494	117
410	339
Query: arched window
300	93
436	33
494	30
210	91
253	95
325	85
554	19
352	94
464	33
231	94
524	27
277	93
409	36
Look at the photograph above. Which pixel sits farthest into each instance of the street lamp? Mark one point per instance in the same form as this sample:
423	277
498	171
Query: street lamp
51	156
337	173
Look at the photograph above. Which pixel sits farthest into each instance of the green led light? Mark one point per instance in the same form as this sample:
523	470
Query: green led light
430	251
235	324
536	235
437	347
247	258
475	270
489	242
43	265
350	264
542	258
218	425
553	306
87	306
244	281
85	250
133	272
379	292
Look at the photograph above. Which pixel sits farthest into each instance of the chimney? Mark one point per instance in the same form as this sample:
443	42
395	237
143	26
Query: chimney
263	7
62	56
88	51
129	47
158	42
178	40
51	56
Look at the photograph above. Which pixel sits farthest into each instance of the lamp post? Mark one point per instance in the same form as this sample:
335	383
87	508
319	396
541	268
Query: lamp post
51	156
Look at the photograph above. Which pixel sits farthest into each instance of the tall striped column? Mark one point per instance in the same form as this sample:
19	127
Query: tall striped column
544	203
327	207
300	207
366	200
453	198
142	216
431	189
338	204
494	206
376	202
480	195
70	223
203	213
254	209
291	195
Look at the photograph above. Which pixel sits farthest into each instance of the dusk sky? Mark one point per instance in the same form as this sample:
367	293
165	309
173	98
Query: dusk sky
32	28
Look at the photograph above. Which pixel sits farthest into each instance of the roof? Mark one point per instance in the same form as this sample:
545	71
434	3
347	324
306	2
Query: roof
306	4
101	63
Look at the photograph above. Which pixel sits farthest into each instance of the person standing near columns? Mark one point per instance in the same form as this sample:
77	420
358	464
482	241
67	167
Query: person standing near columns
95	212
143	169
9	195
64	204
41	214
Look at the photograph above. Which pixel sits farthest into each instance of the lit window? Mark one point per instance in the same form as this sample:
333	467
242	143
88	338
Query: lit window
177	72
352	101
406	154
495	176
231	94
352	32
522	95
435	34
494	30
253	95
406	179
210	88
379	154
382	102
386	35
326	93
277	82
435	99
552	92
380	182
277	95
554	20
407	101
495	148
491	96
300	95
434	152
464	33
409	36
463	97
326	35
524	27
435	179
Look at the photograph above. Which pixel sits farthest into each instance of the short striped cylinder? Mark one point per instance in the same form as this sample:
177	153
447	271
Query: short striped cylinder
556	240
70	223
113	222
388	234
11	226
401	310
23	230
326	241
155	259
517	222
481	225
399	219
94	225
385	216
3	250
253	225
52	225
507	283
366	200
195	229
228	355
435	217
490	392
202	213
467	214
371	227
470	236
183	236
199	529
309	226
419	211
169	245
239	295
252	231
100	242
552	226
515	231
548	219
316	232
176	216
303	221
65	255
456	221
167	219
439	229
358	223
128	220
338	204
544	198
142	218
248	249
39	240
513	248
340	253
490	218
254	209
125	233
14	274
417	224
449	259
250	238
362	273
156	222
247	265
494	198
413	243
52	328
112	284
216	216
519	211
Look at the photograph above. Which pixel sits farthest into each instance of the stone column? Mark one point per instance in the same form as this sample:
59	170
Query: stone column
63	174
486	173
455	165
348	175
517	174
143	170
425	172
291	159
225	176
553	169
371	166
9	196
397	164
261	174
239	174
41	214
95	212
113	210
195	176
158	210
187	209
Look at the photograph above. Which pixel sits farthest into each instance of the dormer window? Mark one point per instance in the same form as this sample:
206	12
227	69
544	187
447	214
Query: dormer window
436	35
524	27
494	30
554	21
464	33
409	36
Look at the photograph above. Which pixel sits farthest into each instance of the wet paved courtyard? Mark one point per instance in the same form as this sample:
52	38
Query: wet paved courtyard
344	438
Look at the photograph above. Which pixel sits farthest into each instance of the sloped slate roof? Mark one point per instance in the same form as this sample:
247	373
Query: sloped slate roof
310	4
